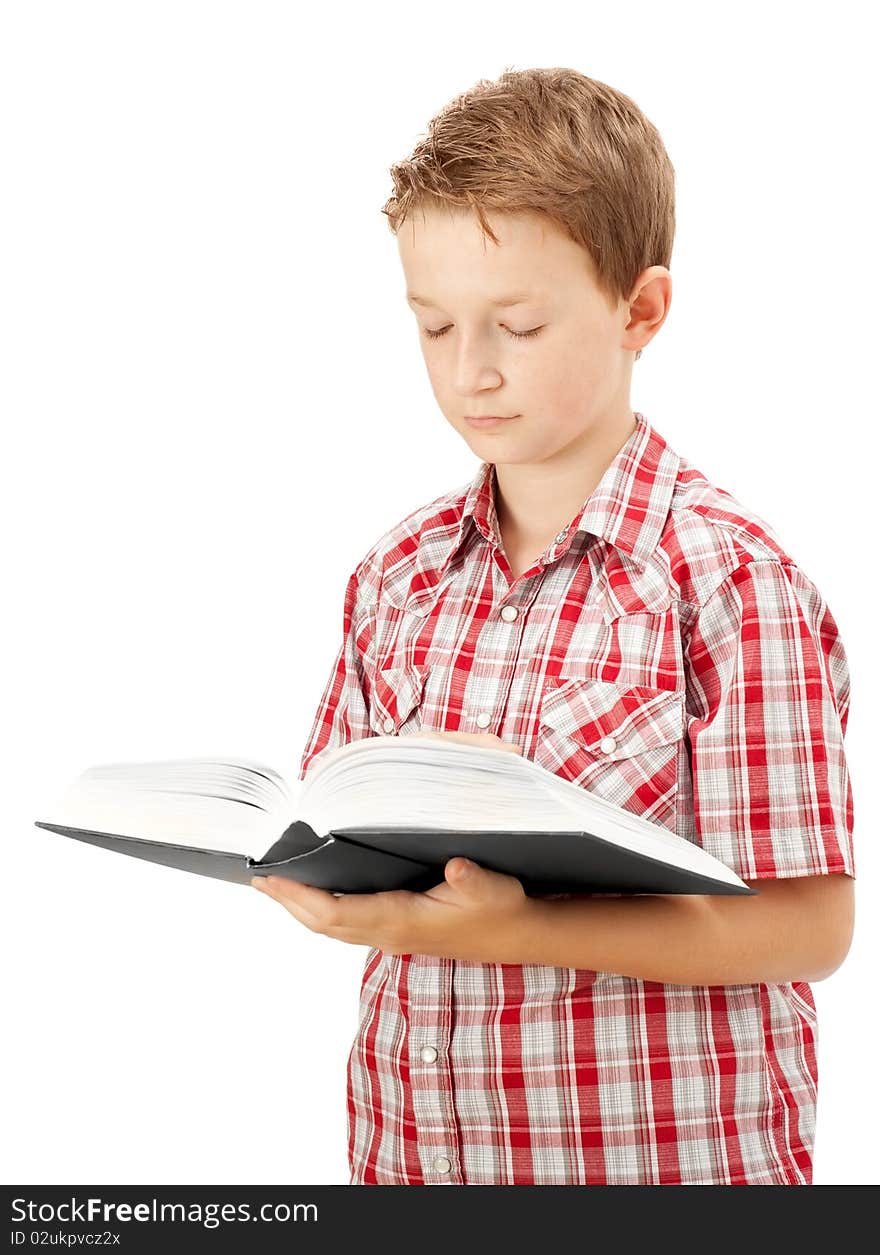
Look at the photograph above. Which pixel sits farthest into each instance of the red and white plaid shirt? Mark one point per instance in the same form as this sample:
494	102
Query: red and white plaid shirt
666	622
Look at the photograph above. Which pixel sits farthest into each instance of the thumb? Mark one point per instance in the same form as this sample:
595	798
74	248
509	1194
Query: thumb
482	883
461	871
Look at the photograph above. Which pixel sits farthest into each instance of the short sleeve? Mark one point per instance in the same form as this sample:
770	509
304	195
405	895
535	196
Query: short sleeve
768	701
343	710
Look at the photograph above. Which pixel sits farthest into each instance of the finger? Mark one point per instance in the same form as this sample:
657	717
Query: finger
348	912
283	886
291	894
487	740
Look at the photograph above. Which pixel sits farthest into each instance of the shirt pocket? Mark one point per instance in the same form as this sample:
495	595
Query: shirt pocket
396	699
622	743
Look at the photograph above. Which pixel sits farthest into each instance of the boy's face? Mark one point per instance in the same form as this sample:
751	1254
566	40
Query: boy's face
564	384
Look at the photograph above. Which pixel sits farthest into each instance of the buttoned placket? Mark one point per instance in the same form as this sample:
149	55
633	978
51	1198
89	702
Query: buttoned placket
431	979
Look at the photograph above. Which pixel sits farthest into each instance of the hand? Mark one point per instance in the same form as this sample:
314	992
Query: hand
492	741
473	914
488	739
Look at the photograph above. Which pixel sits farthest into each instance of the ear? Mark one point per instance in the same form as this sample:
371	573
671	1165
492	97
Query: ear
648	306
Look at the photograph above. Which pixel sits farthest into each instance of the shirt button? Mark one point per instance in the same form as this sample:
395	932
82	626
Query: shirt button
561	536
483	719
388	725
428	1053
607	744
442	1164
509	613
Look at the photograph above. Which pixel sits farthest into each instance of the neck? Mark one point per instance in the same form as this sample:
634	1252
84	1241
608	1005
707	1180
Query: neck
535	500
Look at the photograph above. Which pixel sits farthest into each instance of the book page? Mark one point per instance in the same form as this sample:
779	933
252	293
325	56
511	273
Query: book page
417	782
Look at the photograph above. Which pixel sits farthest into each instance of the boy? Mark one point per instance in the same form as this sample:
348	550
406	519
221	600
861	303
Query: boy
592	601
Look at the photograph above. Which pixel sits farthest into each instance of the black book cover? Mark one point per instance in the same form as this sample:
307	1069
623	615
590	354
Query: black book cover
371	860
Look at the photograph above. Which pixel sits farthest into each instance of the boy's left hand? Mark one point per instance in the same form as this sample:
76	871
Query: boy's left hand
473	914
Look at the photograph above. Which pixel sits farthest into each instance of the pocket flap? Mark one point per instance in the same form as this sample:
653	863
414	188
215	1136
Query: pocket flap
397	691
610	721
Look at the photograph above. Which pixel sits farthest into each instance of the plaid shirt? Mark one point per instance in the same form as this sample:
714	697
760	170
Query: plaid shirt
664	653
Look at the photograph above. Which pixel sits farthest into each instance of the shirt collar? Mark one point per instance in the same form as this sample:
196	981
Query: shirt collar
628	508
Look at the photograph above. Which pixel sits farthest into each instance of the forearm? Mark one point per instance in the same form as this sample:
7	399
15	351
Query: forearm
681	939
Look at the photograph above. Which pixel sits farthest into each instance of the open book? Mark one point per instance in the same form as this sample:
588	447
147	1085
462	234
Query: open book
385	812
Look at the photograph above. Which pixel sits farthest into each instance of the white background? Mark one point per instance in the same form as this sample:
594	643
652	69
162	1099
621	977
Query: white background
213	402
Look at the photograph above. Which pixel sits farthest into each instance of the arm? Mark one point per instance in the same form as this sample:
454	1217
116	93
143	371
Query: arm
794	929
343	712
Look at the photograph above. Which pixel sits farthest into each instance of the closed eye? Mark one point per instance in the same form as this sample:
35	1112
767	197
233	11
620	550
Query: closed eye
517	335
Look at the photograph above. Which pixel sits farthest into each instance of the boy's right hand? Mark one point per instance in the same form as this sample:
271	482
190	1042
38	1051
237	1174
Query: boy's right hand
487	739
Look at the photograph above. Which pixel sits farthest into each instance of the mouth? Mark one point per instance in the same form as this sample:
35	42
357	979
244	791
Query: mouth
489	420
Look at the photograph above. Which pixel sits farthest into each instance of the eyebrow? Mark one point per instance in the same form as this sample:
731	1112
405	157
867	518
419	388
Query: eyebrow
516	298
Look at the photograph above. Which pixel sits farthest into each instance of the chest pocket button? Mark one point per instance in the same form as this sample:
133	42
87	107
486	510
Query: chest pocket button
622	743
397	697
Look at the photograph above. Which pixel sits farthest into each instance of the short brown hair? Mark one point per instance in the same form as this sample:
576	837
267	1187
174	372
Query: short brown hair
555	142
